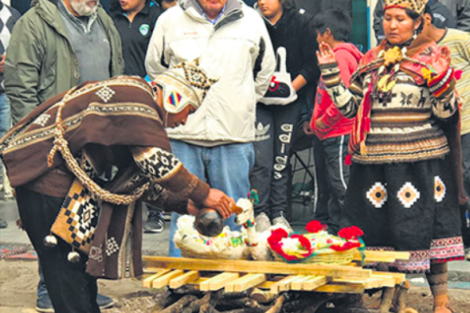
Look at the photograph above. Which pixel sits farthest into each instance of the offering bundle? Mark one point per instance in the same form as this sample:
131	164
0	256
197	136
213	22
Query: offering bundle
317	245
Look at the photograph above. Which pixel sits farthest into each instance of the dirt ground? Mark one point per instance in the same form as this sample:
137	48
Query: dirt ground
18	281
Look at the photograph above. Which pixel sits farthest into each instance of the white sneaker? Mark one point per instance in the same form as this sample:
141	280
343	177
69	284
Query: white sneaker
281	220
262	222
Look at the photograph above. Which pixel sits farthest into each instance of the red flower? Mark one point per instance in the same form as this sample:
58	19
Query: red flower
346	246
350	232
315	227
304	242
280	232
275	239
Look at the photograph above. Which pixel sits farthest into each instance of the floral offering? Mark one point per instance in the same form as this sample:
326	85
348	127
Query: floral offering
295	248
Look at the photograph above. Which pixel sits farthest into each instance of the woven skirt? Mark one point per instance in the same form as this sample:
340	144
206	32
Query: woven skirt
407	207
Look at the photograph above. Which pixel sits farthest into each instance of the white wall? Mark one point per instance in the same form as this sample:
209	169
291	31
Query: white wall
372	4
6	1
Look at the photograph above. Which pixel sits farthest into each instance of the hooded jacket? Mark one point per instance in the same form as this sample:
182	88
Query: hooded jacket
348	57
40	60
295	32
237	49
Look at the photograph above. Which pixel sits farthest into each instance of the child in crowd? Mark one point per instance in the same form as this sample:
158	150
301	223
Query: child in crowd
333	27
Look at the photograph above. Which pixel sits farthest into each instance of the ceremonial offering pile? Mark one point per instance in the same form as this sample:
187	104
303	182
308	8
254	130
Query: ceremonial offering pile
316	246
229	245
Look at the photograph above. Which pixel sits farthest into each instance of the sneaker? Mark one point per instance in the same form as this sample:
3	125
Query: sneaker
3	223
281	220
262	222
155	222
43	304
104	302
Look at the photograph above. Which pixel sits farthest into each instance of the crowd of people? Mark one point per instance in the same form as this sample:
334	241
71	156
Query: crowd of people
95	96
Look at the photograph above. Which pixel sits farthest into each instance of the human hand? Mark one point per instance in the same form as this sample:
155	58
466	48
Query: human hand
220	202
319	124
325	54
307	129
2	62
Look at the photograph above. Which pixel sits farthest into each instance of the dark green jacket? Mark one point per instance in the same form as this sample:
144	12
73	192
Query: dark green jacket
40	60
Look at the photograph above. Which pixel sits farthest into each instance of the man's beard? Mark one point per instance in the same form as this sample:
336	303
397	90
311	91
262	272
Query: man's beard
82	8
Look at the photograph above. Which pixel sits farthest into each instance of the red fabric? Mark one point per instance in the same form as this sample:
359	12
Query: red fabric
348	57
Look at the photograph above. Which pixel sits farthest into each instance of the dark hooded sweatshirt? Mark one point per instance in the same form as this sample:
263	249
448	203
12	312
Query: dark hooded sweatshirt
295	32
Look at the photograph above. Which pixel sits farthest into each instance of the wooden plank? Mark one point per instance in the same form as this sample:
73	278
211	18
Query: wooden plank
341	288
284	284
245	282
256	267
368	283
314	282
184	279
297	284
399	277
382	256
147	282
219	281
386	281
152	270
165	279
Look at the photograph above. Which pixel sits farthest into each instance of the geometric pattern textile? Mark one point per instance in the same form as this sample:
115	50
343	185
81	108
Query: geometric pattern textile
408	195
377	195
78	218
439	189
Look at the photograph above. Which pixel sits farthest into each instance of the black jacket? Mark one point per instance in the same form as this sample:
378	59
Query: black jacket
295	32
135	36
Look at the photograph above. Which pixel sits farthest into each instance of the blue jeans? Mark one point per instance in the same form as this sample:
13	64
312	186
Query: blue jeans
5	114
227	168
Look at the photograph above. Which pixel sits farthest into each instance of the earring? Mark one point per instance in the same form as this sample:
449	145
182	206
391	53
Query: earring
415	34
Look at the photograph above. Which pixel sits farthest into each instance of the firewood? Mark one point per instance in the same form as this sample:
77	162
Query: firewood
387	298
263	296
188	290
234	295
308	301
162	299
238	303
207	308
277	307
178	306
195	306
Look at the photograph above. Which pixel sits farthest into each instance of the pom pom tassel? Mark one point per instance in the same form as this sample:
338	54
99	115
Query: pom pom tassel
50	241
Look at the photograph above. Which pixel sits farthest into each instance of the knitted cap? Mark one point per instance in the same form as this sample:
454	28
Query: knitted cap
185	84
417	6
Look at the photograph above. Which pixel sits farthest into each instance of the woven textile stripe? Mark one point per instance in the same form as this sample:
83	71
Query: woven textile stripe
78	217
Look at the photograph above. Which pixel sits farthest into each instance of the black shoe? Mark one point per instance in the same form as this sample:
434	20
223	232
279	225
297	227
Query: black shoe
3	223
155	222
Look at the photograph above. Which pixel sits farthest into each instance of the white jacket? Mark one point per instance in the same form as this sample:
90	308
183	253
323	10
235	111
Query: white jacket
237	50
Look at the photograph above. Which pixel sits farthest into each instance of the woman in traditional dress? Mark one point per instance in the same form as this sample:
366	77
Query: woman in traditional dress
402	189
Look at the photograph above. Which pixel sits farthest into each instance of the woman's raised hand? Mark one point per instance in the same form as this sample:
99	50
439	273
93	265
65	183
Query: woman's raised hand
325	55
